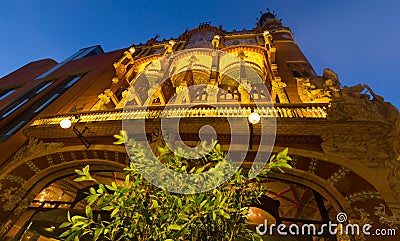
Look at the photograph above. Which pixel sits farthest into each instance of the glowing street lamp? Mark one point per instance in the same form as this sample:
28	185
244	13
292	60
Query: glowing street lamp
254	118
66	123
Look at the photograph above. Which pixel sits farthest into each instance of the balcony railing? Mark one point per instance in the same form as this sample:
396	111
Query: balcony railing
303	111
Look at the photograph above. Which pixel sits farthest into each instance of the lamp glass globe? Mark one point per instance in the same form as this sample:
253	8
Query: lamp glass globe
254	118
65	123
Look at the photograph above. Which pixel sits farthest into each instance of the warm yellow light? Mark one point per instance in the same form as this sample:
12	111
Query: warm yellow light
115	80
132	50
266	32
65	123
254	118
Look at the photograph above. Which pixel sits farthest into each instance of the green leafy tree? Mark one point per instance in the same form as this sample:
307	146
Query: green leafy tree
138	210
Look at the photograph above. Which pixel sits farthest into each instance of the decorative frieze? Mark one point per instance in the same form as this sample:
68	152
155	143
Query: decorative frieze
370	149
36	147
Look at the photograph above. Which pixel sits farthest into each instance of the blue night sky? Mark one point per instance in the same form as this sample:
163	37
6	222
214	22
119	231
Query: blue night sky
360	40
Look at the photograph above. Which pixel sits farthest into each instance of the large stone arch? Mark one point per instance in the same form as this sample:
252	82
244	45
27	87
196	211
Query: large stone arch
355	190
316	183
28	176
372	176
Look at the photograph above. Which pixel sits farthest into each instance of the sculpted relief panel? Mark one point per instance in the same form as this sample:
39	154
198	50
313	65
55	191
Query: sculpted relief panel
360	103
318	89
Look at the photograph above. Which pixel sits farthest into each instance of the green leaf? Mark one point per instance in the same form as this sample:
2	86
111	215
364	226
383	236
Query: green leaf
200	198
102	188
179	203
127	180
285	151
279	156
65	224
286	165
66	233
218	148
155	203
99	218
174	227
83	178
79	172
107	208
92	190
75	219
224	214
89	212
114	212
121	138
86	170
203	203
97	234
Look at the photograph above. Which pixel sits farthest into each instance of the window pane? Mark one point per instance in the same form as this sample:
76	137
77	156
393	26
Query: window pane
15	108
6	93
46	103
72	82
43	87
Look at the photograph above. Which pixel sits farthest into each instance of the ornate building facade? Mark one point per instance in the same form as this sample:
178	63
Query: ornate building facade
344	140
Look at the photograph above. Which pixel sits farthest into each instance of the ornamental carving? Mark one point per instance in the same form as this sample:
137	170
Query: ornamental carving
319	89
10	197
352	104
212	94
36	147
22	206
268	40
360	103
121	65
215	42
125	98
169	47
361	218
278	88
104	98
244	90
370	150
392	221
182	94
4	228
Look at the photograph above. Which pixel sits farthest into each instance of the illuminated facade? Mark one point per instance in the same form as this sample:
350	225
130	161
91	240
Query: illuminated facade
344	142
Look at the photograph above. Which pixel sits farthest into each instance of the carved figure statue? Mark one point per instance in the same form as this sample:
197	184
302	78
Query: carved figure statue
244	90
215	42
169	47
182	93
268	39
